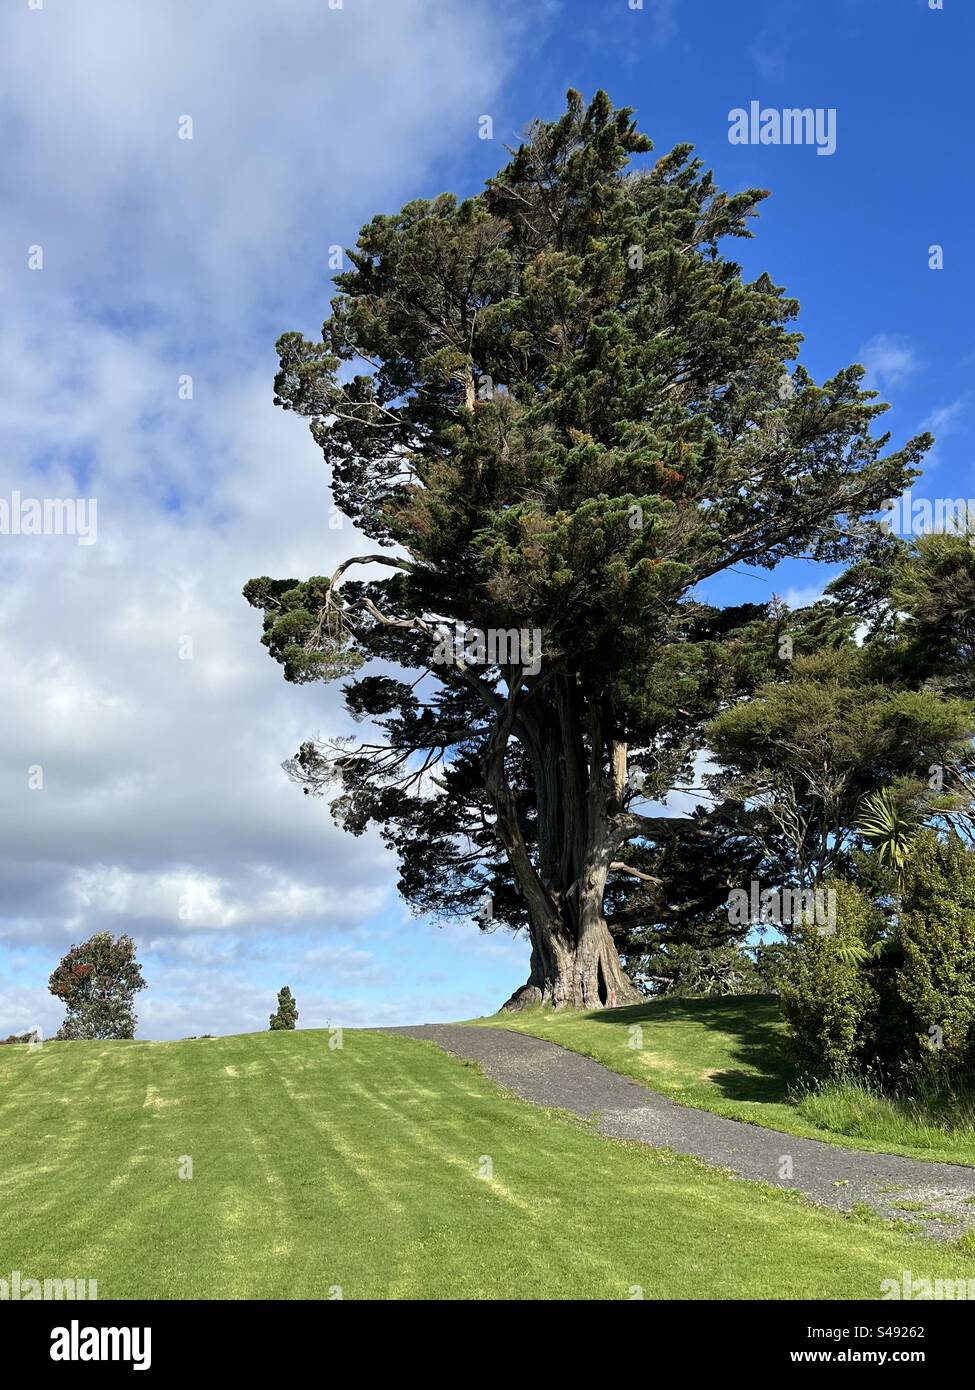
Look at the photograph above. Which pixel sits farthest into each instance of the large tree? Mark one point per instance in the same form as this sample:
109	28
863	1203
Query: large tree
556	408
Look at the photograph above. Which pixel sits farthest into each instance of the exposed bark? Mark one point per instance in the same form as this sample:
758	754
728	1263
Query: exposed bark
579	774
581	974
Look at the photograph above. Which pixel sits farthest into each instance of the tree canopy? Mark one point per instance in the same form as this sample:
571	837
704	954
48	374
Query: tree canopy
556	408
97	983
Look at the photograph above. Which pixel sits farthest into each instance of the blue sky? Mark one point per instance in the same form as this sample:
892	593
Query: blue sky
163	810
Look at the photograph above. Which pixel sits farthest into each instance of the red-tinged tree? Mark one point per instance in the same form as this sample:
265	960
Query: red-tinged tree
97	983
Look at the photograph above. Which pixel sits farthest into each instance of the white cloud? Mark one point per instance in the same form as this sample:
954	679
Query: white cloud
945	419
164	257
942	422
804	595
889	361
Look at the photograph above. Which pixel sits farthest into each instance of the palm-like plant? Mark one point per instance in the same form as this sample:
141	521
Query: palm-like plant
890	826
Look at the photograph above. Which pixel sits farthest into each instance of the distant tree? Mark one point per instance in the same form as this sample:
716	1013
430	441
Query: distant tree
97	982
286	1015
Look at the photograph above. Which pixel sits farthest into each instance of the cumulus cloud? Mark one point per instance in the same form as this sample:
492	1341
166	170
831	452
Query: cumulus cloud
145	725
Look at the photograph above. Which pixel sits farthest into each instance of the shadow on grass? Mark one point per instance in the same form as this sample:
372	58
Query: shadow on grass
753	1020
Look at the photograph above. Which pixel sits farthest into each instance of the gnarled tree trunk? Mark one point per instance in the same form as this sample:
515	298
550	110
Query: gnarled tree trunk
579	772
577	974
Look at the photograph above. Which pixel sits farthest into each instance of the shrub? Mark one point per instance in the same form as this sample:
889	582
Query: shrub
936	979
694	971
896	1009
829	997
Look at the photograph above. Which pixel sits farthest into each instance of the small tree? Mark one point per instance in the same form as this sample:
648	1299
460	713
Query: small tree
891	826
287	1011
97	982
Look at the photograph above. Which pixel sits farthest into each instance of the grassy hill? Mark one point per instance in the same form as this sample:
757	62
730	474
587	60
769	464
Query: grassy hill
729	1055
359	1169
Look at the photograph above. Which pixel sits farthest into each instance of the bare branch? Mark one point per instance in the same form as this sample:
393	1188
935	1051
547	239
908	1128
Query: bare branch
637	873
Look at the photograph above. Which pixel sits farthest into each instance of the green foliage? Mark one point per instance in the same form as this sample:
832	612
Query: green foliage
286	1014
692	971
828	996
893	1004
97	982
814	748
933	584
676	933
574	415
890	826
304	629
937	934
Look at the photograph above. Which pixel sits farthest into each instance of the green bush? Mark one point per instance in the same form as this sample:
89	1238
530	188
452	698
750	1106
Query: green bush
892	1004
936	978
690	971
829	996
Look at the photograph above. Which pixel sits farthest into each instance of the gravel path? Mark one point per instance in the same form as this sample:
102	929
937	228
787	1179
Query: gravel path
547	1074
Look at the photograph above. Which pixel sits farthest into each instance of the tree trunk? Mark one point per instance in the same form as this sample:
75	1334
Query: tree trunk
574	963
578	782
574	974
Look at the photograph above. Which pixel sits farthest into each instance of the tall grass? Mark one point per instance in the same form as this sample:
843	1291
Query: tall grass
921	1115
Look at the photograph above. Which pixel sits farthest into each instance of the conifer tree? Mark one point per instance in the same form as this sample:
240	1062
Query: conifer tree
286	1014
556	408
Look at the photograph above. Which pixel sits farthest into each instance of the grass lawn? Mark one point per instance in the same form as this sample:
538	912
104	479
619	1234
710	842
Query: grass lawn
729	1055
359	1168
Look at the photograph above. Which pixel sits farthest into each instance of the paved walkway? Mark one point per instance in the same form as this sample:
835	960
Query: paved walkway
547	1074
